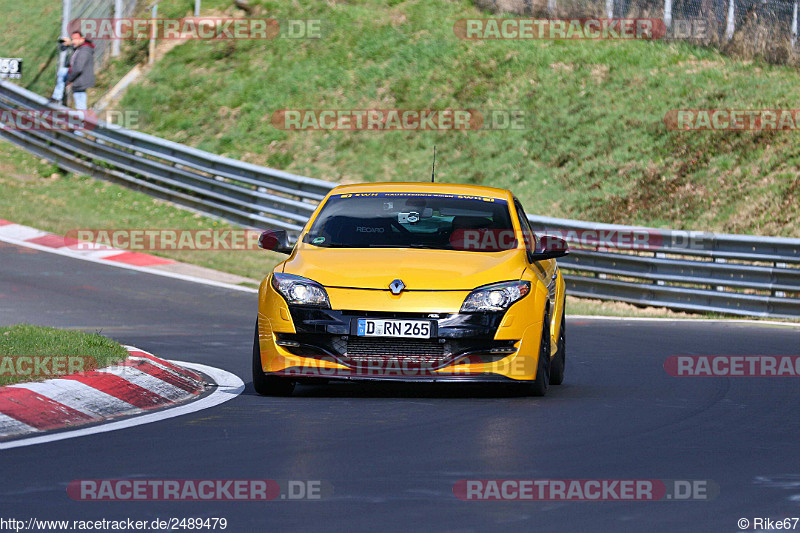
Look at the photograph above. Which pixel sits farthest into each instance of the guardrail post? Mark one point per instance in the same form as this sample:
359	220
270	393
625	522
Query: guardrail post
777	264
794	24
660	255
668	13
720	288
610	9
196	8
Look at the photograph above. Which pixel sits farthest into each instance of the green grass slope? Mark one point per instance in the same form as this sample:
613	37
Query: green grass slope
31	30
596	146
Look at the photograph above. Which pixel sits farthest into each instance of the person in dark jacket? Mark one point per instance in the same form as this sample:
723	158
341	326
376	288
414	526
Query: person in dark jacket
81	69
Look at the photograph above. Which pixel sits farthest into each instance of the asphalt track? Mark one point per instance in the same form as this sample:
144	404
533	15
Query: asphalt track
393	452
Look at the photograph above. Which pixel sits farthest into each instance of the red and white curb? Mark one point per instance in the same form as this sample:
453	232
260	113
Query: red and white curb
26	234
139	384
36	239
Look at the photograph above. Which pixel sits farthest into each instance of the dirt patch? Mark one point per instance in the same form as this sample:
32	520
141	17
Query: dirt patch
397	18
568	67
8	171
693	66
599	73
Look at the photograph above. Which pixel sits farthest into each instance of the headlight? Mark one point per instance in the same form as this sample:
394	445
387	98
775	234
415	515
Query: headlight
496	297
300	291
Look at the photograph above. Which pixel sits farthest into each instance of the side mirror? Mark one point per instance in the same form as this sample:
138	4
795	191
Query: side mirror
550	248
276	240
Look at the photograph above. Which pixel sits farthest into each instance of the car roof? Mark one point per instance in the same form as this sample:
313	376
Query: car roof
440	188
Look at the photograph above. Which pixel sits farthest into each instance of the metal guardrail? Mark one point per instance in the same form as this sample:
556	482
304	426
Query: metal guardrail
682	270
247	194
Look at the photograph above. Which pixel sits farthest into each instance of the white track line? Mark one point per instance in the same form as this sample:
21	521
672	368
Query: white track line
703	320
229	386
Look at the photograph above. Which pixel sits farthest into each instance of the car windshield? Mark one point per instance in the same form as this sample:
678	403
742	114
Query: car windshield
409	220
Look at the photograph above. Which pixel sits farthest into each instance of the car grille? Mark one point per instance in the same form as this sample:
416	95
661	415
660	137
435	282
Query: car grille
387	352
408	353
388	347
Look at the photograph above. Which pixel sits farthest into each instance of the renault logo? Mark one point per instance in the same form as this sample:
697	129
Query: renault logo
397	286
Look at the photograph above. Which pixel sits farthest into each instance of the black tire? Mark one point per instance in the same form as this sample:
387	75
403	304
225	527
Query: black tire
540	385
560	360
264	384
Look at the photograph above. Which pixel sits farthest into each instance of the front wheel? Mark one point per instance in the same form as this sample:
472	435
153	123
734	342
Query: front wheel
268	385
542	382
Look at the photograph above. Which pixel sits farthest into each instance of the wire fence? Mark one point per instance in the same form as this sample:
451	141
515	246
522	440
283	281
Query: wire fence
746	28
96	9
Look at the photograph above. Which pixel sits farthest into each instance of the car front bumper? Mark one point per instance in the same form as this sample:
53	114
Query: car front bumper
465	347
307	343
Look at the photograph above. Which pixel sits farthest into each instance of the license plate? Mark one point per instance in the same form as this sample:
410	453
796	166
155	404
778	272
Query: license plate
414	329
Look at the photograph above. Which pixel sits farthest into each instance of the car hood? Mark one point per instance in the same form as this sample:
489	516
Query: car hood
419	269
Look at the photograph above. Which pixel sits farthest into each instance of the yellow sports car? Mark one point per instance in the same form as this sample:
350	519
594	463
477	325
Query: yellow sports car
412	282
